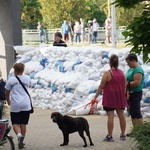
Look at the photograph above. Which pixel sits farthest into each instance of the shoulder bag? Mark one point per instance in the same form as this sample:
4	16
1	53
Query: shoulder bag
32	110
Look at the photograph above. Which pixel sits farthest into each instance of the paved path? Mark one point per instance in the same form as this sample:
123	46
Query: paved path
43	134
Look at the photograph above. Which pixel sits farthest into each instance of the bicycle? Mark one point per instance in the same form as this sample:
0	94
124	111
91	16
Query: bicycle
6	140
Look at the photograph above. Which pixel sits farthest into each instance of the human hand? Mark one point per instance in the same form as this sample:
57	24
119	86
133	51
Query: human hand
8	102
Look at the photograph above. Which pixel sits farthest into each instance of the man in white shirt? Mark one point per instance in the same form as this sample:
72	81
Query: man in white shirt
19	102
94	28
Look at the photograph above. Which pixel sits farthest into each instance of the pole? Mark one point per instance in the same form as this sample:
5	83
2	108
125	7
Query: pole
108	8
113	8
10	33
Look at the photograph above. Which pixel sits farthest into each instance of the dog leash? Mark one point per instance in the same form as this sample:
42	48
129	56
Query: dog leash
92	103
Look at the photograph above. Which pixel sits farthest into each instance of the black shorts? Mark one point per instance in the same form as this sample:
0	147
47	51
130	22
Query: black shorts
21	117
134	105
110	109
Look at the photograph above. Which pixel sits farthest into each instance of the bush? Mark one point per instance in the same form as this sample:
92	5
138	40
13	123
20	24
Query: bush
141	134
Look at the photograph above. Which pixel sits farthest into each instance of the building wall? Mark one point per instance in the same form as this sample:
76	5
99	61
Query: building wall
10	33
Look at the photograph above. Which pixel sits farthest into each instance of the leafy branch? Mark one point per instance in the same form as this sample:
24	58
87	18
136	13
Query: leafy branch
137	33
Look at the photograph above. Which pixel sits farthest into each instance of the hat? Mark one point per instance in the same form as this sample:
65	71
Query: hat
58	34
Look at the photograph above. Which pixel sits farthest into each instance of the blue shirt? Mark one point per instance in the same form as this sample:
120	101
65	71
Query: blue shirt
65	28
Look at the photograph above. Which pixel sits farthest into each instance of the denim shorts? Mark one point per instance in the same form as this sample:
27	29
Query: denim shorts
134	105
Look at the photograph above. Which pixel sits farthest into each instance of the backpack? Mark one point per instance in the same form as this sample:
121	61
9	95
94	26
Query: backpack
2	89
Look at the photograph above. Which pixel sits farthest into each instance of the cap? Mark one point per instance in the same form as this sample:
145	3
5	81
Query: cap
58	34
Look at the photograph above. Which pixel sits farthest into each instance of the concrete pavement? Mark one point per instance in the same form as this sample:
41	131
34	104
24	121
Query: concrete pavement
43	134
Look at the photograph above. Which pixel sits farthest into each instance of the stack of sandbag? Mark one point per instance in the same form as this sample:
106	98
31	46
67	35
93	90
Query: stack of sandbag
66	78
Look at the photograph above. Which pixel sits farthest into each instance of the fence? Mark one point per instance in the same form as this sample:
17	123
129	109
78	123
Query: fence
31	36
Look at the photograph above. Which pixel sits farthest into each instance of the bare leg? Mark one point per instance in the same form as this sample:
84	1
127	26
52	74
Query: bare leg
140	121
16	128
133	122
23	129
122	120
137	121
110	122
107	41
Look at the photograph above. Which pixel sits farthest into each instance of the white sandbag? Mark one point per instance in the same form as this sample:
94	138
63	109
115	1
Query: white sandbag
144	104
83	111
32	66
23	49
34	95
99	105
147	114
83	87
101	112
145	91
70	76
148	94
146	68
89	62
145	109
69	65
37	86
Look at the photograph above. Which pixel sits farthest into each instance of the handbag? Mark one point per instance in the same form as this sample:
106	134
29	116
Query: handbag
32	110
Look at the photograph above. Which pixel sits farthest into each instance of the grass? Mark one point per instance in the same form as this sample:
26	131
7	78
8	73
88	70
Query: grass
119	45
141	135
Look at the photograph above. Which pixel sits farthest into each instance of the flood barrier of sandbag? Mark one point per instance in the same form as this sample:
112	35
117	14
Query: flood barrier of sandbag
66	78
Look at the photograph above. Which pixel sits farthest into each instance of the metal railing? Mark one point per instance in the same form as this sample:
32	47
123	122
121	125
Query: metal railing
31	36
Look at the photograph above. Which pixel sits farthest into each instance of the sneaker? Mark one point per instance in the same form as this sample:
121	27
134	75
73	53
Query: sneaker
122	137
24	145
108	139
20	142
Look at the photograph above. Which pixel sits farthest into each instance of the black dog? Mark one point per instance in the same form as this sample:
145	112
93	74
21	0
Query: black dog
69	125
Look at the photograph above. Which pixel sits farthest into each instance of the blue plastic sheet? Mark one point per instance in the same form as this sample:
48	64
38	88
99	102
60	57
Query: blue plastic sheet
54	88
44	61
147	100
32	74
146	80
68	90
59	64
77	63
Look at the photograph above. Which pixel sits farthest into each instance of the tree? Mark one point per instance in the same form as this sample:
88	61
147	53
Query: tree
55	11
124	16
138	31
30	13
94	10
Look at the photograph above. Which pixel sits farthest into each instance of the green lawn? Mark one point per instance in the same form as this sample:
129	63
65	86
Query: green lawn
118	45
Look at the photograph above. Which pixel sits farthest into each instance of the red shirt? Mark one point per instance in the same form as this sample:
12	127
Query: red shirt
114	91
